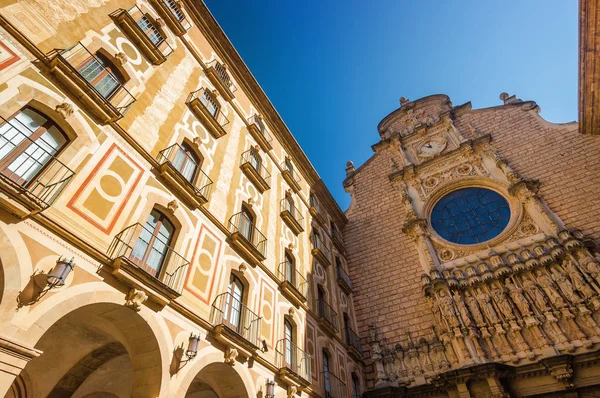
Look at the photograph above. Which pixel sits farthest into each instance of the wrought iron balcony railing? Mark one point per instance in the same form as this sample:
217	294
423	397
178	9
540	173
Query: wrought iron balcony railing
206	108
144	33
259	132
291	215
90	82
337	239
145	251
343	279
188	171
230	312
242	227
353	341
328	315
290	176
29	168
334	387
222	74
288	273
320	251
174	15
251	164
289	356
315	209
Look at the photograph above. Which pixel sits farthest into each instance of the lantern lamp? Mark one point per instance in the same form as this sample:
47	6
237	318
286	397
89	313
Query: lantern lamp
192	349
270	389
58	275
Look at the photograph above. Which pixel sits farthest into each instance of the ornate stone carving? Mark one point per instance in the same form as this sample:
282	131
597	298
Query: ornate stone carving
64	109
231	355
121	58
135	298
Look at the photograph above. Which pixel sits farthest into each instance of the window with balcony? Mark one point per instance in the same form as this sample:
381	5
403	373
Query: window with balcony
219	76
180	169
29	145
332	385
234	324
352	339
233	303
343	279
294	364
293	284
151	248
252	165
94	80
144	32
245	237
336	237
290	175
204	105
319	250
328	318
291	214
173	15
355	386
258	131
315	208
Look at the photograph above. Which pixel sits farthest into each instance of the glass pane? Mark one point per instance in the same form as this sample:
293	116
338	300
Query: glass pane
209	103
470	215
151	32
175	10
20	127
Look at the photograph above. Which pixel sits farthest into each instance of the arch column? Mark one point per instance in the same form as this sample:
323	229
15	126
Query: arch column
13	358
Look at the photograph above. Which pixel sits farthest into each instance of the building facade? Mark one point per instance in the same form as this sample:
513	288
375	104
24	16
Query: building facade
472	240
162	234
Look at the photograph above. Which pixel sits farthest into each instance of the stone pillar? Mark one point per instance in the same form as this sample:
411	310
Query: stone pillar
13	358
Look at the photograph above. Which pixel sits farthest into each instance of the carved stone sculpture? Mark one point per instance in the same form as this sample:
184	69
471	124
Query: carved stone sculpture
536	294
565	286
135	298
516	294
474	308
463	310
577	279
488	307
231	355
447	308
64	109
548	286
502	302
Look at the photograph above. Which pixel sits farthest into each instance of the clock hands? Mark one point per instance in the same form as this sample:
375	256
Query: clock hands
429	146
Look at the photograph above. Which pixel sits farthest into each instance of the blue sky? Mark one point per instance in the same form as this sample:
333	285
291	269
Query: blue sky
334	68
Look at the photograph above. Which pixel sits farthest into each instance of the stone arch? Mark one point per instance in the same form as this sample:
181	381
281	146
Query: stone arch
88	329
237	379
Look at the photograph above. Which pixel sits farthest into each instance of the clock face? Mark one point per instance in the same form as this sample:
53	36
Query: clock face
431	148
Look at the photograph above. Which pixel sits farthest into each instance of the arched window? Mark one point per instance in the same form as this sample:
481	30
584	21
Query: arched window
326	380
233	305
346	327
187	162
315	237
210	103
152	246
290	269
254	159
246	223
289	203
288	165
150	29
27	143
288	331
355	383
321	300
101	73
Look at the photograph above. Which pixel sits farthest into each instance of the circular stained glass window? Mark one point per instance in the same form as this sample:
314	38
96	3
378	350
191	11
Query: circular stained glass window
470	215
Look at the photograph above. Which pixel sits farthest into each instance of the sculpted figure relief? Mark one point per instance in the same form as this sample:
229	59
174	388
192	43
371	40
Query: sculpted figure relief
579	283
502	302
592	268
516	294
565	286
535	292
547	284
462	309
488	307
474	308
447	308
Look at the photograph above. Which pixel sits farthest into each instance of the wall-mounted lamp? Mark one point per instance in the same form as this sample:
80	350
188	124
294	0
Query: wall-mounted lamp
58	275
192	349
270	389
264	346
